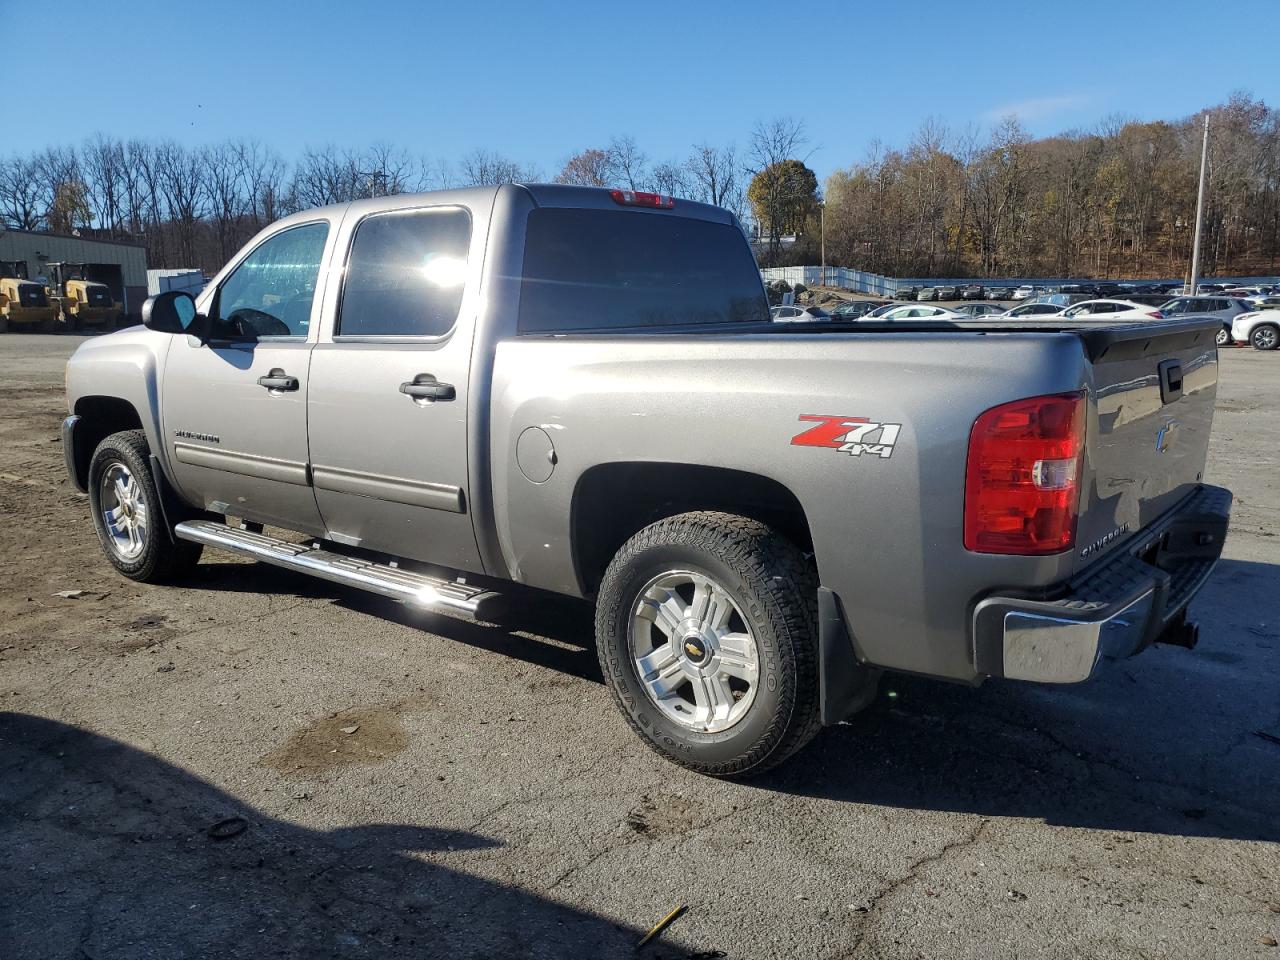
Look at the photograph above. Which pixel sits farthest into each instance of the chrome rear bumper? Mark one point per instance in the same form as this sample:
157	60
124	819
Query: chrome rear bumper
1113	610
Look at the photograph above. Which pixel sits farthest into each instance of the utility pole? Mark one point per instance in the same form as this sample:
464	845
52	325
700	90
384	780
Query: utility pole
1195	244
822	237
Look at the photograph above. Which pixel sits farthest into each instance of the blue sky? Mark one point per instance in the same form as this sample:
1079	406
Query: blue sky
535	83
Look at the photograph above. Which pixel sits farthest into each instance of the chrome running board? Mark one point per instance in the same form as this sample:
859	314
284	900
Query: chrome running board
407	586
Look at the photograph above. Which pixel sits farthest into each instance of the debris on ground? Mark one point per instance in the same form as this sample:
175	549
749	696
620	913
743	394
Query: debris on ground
350	730
72	594
228	828
661	925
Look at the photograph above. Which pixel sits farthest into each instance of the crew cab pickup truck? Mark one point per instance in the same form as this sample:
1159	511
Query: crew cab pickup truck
462	397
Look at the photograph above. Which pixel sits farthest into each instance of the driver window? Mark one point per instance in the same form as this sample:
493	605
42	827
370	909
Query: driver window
269	294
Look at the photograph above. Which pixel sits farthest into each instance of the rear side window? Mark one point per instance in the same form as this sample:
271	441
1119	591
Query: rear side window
606	269
406	274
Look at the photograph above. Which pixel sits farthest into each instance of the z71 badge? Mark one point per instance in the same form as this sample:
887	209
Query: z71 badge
852	435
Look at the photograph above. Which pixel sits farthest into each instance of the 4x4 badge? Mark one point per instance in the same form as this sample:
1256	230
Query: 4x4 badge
852	435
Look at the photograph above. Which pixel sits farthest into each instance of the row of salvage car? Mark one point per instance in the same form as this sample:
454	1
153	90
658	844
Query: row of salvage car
1254	320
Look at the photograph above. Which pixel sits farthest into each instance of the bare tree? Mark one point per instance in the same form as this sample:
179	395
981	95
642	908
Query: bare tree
713	172
627	163
22	203
102	160
222	185
772	143
481	168
181	176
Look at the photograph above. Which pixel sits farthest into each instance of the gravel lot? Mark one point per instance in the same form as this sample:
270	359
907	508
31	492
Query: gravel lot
489	802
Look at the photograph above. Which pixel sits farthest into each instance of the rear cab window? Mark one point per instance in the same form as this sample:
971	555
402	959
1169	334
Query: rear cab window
592	270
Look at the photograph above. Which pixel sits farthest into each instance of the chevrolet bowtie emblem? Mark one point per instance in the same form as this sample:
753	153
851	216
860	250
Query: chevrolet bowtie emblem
693	649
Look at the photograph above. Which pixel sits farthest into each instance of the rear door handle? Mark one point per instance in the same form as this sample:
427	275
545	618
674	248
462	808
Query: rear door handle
277	379
426	387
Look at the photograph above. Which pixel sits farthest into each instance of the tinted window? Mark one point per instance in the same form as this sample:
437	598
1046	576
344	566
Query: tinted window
598	269
405	274
270	293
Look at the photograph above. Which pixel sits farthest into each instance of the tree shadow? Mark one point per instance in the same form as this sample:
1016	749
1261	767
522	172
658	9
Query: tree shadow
105	853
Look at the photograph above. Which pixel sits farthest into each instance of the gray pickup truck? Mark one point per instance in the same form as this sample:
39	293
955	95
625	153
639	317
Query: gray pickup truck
442	396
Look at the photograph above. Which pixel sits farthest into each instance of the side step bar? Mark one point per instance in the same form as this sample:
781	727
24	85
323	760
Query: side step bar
417	589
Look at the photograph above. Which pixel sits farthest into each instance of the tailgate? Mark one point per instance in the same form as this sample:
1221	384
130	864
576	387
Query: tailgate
1148	437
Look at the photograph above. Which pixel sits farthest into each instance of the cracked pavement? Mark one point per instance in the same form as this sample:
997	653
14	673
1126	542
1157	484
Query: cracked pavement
490	802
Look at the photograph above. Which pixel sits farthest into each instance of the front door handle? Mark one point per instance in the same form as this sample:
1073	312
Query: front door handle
277	379
426	387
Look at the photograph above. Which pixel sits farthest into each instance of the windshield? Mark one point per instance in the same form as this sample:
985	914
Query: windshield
604	269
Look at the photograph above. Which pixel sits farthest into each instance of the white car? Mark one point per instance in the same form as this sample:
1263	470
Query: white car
797	314
1260	328
908	311
1024	292
1111	310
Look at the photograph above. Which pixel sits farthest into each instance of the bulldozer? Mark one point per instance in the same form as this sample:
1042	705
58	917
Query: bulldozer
79	300
23	302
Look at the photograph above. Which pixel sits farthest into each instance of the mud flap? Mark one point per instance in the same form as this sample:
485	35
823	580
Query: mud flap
845	685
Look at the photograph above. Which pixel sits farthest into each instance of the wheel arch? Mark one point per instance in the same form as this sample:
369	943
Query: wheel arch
100	417
601	520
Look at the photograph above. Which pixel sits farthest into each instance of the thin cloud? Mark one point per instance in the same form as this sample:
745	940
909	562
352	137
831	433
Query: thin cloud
1037	108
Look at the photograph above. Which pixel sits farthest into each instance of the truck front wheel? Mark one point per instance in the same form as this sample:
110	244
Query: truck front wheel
127	514
706	625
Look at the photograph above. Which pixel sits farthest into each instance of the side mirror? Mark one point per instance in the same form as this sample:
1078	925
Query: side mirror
170	312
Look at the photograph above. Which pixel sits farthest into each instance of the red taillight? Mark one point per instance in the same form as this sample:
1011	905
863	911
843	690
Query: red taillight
1021	493
638	198
1156	315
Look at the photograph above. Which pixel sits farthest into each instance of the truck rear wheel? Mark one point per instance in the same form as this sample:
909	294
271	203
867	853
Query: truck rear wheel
127	514
706	625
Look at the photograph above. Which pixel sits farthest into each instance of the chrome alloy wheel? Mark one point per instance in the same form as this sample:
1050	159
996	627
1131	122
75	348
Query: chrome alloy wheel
124	511
693	651
1264	338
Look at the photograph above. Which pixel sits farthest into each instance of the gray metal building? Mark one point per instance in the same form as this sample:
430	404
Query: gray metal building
121	266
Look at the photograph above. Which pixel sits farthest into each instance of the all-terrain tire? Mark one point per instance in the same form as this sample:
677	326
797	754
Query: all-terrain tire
774	587
158	558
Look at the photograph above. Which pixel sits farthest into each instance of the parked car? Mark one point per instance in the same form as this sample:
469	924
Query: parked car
1225	309
798	314
1024	292
1038	309
853	309
1260	328
905	293
1148	299
1110	310
450	397
1086	289
905	312
979	310
997	293
1265	302
948	292
927	293
973	291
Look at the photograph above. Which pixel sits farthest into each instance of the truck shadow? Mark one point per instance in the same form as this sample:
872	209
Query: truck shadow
1175	742
543	629
106	852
